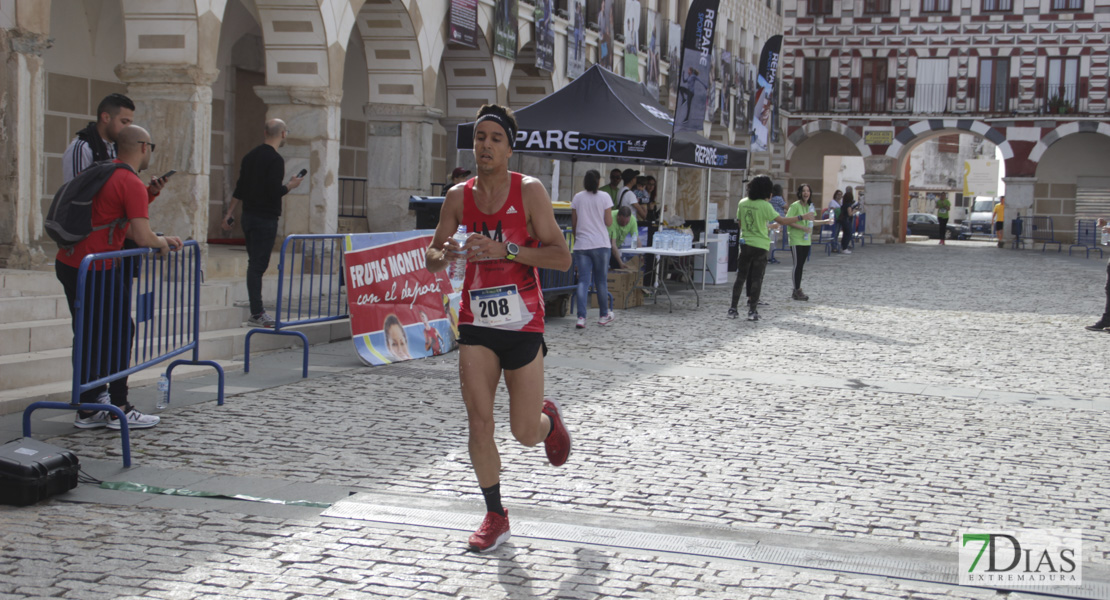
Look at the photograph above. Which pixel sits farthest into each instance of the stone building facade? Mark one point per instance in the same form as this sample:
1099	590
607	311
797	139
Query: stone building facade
371	90
877	78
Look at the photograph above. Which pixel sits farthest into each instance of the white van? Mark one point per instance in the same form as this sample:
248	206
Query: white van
982	215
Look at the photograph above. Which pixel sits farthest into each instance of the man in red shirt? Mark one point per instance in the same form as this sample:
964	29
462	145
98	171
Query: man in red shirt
124	199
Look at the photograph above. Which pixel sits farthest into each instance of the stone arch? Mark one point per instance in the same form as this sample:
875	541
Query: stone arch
1065	130
924	128
395	65
811	129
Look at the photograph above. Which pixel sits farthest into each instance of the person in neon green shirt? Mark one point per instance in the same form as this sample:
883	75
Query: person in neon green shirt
943	204
624	224
800	234
753	214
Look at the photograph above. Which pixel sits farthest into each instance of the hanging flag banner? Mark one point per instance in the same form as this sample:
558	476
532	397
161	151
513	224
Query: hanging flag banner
605	35
576	44
674	45
463	28
545	34
697	61
399	310
632	39
655	40
504	28
763	97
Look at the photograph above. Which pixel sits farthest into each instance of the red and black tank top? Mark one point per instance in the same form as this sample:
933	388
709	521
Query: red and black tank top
500	293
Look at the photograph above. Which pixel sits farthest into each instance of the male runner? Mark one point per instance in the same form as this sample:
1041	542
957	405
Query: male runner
513	231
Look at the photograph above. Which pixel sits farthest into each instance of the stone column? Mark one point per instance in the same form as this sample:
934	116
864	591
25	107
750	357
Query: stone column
1019	201
313	118
883	208
174	103
21	135
399	146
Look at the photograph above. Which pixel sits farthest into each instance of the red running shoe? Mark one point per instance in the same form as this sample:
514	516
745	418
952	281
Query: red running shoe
557	443
493	531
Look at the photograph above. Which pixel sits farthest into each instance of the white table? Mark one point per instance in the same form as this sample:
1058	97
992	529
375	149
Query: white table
669	256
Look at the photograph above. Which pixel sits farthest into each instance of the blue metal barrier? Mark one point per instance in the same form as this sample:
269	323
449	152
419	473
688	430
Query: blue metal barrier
1086	236
1041	231
558	282
311	284
133	310
827	237
782	244
860	232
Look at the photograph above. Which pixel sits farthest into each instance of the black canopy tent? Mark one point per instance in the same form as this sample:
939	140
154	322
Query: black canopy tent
601	115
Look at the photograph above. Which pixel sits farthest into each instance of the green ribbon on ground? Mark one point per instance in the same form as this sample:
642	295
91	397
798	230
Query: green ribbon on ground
127	486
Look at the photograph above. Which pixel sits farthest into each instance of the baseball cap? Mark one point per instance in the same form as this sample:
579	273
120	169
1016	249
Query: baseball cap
629	174
459	172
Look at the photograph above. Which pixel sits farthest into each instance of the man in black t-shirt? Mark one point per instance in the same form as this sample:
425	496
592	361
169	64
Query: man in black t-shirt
260	190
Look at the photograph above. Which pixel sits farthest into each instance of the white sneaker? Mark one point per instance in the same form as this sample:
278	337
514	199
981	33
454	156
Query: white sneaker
581	324
97	419
607	319
135	420
261	320
845	251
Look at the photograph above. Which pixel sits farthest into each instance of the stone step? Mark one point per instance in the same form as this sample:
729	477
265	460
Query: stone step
22	374
14	401
30	283
51	334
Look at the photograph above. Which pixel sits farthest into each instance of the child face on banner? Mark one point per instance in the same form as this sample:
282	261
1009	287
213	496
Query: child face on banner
396	341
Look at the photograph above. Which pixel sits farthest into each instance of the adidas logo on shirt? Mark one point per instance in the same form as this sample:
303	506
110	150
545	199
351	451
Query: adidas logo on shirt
511	211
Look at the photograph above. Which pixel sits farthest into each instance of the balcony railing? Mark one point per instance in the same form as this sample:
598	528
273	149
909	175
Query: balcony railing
983	99
1062	99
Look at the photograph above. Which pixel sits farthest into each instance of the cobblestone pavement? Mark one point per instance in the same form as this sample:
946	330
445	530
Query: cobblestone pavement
922	390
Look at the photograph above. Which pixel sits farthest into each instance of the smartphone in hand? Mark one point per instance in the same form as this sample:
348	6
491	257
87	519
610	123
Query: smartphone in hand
167	174
302	173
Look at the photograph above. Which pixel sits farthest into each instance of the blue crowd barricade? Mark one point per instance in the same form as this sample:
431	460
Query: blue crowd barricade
827	237
1041	232
133	310
782	244
1086	236
554	282
311	289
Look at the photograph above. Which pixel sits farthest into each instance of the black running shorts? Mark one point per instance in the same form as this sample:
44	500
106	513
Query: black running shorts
515	349
998	225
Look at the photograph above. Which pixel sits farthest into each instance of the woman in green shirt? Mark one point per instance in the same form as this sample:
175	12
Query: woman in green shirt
943	204
799	234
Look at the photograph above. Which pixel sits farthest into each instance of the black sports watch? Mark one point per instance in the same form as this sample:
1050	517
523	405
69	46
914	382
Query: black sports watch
511	250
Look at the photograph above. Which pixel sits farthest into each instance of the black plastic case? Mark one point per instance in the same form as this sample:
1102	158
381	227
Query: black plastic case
31	471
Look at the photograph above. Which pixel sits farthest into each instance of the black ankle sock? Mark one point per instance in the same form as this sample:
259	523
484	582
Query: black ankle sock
493	499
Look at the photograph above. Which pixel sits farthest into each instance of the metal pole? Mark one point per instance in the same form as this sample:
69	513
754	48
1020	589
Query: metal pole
705	259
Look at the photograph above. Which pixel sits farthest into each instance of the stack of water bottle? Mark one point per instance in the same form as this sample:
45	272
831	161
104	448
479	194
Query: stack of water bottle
673	240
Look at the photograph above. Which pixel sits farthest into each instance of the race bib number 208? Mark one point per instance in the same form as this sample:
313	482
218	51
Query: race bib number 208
496	306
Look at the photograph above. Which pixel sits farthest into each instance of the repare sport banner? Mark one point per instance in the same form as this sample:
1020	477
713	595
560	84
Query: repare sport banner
632	39
763	97
399	310
605	35
463	27
694	70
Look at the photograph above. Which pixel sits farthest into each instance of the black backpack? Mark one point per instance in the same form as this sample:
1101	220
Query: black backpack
69	219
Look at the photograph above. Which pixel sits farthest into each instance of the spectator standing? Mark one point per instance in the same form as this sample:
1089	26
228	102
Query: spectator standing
847	216
126	200
615	185
642	198
778	201
260	190
652	222
97	141
800	235
943	204
999	219
458	175
1104	322
753	213
626	196
623	225
833	214
590	218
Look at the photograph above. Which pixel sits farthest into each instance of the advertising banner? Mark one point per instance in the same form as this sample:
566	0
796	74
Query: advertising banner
674	46
545	34
632	39
980	177
463	27
504	28
697	60
654	43
576	42
605	35
399	311
763	98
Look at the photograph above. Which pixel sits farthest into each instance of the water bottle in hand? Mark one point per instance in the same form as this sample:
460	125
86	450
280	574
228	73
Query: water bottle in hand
163	392
456	269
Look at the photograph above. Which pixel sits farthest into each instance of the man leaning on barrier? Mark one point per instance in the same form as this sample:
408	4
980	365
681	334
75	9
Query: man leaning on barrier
1101	227
123	199
260	190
